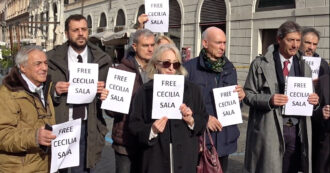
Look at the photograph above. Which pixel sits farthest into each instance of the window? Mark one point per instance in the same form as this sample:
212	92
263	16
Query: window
266	5
103	20
89	21
120	18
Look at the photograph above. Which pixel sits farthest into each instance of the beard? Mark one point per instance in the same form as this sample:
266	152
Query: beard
76	46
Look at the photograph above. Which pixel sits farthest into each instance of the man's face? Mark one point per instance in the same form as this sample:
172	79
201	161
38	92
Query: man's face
36	67
309	44
289	45
215	44
145	47
77	34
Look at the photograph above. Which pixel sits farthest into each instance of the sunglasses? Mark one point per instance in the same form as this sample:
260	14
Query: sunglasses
167	64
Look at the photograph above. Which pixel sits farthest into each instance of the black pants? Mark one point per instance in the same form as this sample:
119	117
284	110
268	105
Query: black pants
224	163
292	156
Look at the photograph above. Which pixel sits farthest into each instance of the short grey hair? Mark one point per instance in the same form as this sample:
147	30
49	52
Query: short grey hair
307	30
288	27
142	32
22	55
151	67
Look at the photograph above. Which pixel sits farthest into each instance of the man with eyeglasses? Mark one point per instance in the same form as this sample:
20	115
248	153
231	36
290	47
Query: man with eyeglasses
212	69
26	107
124	143
93	128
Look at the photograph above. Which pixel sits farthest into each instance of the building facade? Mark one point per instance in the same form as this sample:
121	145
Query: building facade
2	20
250	25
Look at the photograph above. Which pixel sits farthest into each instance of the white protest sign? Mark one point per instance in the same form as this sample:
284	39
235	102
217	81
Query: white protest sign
65	148
314	63
167	96
227	106
298	90
120	85
158	14
83	83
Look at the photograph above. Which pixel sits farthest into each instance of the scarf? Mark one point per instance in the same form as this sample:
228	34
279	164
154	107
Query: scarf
215	66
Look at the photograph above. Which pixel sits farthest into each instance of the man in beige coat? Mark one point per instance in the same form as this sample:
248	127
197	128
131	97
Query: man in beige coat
26	107
275	142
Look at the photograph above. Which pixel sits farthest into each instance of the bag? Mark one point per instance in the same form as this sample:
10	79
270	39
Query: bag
208	158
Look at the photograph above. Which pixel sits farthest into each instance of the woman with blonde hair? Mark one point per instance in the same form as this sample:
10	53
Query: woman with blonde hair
168	146
163	39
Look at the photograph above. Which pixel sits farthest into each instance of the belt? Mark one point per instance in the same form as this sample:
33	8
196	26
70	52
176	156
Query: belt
289	124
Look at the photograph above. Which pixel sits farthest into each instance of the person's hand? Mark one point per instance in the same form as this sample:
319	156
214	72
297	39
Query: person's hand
313	99
187	114
214	124
100	86
159	125
279	100
61	87
326	112
241	93
45	137
142	19
104	94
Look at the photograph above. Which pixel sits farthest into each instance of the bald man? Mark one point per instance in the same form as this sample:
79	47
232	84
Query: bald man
212	69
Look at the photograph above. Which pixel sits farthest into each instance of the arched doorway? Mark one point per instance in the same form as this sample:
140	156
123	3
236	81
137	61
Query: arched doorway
174	30
213	13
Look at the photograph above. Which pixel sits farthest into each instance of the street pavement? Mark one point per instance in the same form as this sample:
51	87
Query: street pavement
236	160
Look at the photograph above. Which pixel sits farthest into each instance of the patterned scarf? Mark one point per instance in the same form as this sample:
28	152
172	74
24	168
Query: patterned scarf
216	66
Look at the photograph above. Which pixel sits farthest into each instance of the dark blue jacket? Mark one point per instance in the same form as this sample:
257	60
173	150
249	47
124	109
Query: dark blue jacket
226	140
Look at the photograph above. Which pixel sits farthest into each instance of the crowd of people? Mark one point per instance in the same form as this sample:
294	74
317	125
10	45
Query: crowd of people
35	93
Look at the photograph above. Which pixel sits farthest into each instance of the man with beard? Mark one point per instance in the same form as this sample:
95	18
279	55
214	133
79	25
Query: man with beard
310	38
212	69
93	127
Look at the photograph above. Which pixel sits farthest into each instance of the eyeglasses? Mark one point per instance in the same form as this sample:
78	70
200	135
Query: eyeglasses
167	64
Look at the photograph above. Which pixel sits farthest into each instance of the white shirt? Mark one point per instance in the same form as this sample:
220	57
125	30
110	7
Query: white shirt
283	59
72	58
33	88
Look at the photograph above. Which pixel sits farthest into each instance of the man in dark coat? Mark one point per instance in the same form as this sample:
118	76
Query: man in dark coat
77	49
212	69
124	144
277	142
321	135
309	41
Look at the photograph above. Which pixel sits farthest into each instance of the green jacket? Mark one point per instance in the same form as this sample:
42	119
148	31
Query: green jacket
96	126
22	113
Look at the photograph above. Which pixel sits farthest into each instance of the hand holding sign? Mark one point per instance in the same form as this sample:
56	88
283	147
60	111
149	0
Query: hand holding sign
159	125
187	114
313	99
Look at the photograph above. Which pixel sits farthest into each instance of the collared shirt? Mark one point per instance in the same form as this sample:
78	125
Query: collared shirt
72	58
283	59
33	88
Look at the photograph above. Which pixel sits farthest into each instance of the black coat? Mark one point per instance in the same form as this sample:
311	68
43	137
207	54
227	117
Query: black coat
155	152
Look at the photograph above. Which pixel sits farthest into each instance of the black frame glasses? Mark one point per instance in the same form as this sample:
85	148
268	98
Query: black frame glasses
167	64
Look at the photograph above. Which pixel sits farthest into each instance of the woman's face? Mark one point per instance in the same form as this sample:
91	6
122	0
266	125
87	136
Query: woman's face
168	63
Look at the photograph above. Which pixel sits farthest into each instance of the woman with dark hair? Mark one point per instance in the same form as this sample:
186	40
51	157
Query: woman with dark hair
168	146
